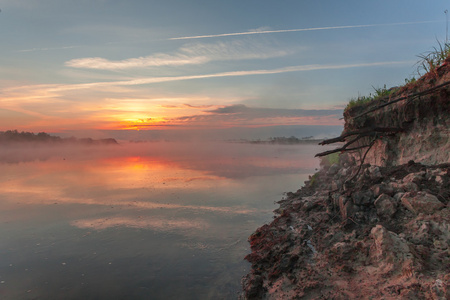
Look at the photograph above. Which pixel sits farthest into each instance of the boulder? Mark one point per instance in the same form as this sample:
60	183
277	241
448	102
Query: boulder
398	196
382	188
333	170
390	252
364	197
374	173
421	202
439	180
386	206
414	177
409	187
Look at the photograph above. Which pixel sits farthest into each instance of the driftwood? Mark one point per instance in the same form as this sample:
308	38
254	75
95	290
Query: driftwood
362	131
339	150
373	131
410	97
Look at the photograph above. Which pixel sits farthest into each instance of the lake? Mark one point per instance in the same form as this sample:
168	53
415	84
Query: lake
140	220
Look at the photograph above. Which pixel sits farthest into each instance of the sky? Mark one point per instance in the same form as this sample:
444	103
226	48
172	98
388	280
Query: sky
223	69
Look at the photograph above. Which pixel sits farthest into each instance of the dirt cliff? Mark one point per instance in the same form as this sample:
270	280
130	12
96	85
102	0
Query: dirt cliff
375	225
422	114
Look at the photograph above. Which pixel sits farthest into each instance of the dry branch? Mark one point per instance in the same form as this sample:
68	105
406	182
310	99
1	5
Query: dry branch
366	131
362	160
340	150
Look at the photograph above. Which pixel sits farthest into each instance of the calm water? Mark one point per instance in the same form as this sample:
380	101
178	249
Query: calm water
138	221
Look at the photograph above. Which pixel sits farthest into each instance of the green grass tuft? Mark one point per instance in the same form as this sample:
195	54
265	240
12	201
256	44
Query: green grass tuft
313	180
431	60
379	93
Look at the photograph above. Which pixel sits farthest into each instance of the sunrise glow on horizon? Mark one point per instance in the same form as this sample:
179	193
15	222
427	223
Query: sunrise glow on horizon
145	66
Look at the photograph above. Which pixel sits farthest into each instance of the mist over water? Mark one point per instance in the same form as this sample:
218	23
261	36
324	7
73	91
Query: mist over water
159	220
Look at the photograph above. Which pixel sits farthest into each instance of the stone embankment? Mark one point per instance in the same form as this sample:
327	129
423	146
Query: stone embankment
375	225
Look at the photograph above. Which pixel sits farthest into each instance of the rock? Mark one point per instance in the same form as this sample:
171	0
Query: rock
438	290
333	170
345	207
343	172
382	188
398	196
395	186
335	198
385	206
414	177
374	173
390	252
409	187
421	202
364	197
336	184
255	288
347	160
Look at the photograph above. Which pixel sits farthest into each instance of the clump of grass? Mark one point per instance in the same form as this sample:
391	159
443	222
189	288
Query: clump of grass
361	100
383	92
313	180
411	80
431	60
411	83
379	93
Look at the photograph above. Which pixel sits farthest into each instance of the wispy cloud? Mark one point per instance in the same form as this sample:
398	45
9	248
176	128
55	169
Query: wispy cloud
47	49
300	68
156	60
186	105
295	30
240	109
256	116
52	88
187	55
198	106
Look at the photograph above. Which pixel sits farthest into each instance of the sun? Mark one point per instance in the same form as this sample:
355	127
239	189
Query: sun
142	123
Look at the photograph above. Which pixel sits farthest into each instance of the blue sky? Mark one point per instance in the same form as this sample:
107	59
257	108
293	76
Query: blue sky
193	65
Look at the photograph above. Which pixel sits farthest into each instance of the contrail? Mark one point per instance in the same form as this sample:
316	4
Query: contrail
295	30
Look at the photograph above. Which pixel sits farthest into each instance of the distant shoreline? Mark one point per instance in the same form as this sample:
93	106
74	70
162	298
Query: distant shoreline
11	137
286	141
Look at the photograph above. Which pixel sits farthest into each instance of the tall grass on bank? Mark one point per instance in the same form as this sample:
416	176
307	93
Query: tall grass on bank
427	64
379	93
431	60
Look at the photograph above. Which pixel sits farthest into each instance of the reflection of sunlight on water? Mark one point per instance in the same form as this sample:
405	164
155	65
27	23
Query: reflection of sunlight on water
144	171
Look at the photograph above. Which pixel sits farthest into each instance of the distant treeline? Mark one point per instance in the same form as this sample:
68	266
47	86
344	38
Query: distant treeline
292	140
14	136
